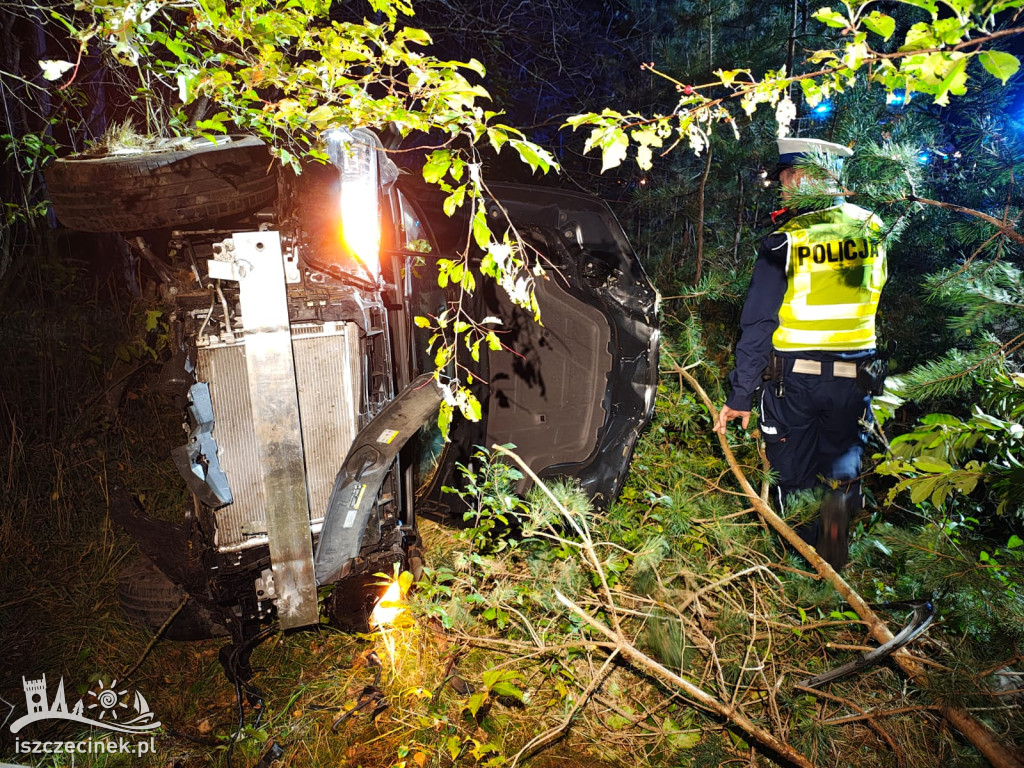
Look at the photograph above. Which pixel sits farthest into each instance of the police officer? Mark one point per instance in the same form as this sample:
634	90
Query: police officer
807	329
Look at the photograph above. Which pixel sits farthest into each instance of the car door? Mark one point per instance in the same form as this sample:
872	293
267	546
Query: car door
572	393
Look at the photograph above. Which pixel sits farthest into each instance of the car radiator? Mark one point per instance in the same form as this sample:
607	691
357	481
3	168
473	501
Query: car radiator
328	371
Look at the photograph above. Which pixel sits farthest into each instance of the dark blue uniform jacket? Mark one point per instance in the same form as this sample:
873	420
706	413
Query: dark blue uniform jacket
760	318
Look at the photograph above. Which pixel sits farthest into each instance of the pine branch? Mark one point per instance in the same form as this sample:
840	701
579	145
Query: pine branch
955	373
1006	228
625	646
976	732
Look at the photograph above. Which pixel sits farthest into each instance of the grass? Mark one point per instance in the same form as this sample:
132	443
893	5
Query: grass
492	662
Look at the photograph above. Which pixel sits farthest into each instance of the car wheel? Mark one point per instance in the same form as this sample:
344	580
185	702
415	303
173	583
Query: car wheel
173	184
149	598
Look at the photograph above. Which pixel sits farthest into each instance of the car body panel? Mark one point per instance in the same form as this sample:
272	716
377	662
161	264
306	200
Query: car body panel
573	393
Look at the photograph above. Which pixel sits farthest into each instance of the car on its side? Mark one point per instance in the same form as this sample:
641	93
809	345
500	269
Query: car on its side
308	388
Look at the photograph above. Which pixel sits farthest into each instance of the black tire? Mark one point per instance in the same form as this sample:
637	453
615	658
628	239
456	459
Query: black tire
148	598
201	181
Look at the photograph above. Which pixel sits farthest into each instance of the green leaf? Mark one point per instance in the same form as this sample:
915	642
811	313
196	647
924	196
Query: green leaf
949	31
471	408
177	49
880	24
831	18
322	116
441	357
481	230
613	145
507	689
728	76
576	121
942	490
943	419
922	489
684	740
421	322
999	64
437	165
54	69
454	200
404	581
454	743
497	137
476	66
812	92
444	419
618	722
954	83
738	741
1014	542
492	676
211	125
475	702
455	275
413	35
929	464
533	155
919	37
928	5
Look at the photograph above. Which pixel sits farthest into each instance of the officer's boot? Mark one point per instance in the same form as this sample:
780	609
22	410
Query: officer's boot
833	525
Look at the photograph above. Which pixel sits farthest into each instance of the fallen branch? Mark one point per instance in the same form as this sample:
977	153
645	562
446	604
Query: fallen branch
624	646
973	730
537	742
701	697
863	715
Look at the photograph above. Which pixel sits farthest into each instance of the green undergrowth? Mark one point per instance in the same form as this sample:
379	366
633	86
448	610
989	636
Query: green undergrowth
500	657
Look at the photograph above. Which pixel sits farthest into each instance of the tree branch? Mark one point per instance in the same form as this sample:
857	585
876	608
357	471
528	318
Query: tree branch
704	699
974	731
625	647
1004	227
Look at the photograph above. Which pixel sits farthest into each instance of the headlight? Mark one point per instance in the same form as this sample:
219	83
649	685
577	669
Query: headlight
388	608
354	154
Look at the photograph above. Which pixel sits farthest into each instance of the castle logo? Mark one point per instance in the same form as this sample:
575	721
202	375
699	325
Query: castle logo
106	707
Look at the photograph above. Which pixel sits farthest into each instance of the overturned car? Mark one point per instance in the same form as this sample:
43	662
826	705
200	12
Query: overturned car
308	390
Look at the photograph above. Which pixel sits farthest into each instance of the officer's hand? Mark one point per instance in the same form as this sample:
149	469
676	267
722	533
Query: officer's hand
727	414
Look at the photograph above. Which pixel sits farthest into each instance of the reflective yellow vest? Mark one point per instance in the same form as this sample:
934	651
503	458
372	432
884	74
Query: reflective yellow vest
836	273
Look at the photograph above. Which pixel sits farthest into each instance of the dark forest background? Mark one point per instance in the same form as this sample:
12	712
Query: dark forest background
80	349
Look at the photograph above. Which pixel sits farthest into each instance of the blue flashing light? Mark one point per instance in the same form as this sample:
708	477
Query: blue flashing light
924	157
823	109
896	98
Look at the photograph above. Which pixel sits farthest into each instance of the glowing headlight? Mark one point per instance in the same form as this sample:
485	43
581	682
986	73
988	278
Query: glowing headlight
387	608
354	154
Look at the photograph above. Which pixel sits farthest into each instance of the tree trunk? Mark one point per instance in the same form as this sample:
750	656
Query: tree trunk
739	220
700	215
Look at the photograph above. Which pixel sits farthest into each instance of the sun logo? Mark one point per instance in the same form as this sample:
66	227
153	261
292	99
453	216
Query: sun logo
107	700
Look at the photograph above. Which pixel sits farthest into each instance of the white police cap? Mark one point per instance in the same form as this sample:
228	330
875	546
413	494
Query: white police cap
791	149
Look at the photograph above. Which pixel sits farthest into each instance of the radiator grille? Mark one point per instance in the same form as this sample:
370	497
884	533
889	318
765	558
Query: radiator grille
328	371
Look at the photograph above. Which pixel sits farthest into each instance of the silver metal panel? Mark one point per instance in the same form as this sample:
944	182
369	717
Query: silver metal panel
329	371
258	264
223	368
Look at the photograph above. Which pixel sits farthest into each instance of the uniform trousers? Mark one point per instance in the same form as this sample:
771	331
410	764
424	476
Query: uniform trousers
814	428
